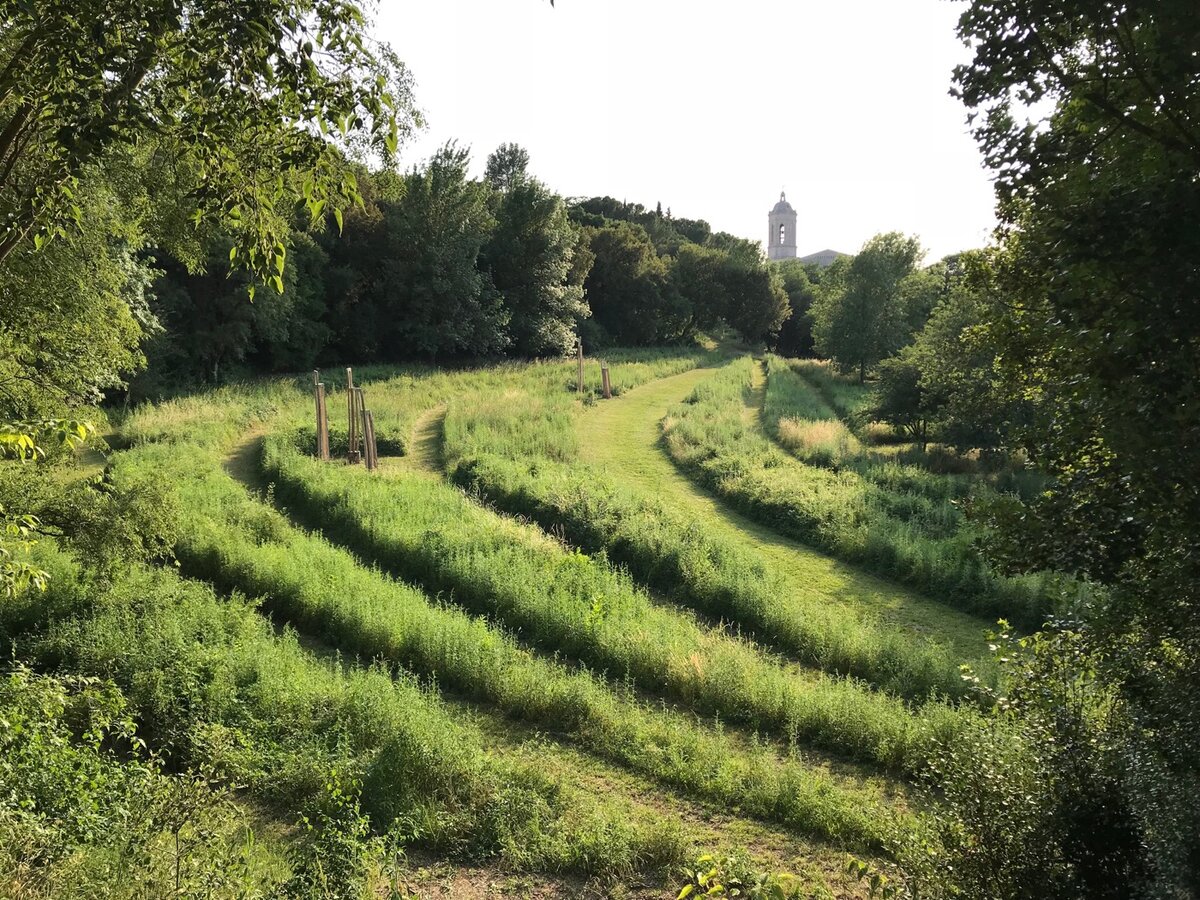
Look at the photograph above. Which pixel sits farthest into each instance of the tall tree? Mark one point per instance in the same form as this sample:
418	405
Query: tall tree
530	258
507	165
627	288
432	299
858	317
796	334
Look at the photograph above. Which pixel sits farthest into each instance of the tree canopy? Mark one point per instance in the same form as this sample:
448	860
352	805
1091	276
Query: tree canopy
249	106
859	316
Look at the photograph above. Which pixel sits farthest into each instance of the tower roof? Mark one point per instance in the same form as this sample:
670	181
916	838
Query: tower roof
782	206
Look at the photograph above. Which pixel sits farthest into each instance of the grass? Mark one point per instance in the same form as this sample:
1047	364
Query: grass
905	536
213	686
564	602
590	651
239	543
634	506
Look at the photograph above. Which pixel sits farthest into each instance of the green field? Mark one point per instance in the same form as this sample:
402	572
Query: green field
544	646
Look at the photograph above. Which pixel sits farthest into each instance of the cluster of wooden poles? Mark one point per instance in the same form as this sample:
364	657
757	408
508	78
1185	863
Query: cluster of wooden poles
361	432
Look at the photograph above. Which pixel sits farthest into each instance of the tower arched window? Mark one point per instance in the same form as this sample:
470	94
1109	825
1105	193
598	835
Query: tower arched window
782	234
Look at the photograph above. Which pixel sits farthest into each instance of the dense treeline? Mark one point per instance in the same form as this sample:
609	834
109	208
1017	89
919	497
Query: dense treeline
434	264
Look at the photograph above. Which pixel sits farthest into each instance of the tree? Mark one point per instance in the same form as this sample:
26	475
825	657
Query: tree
1098	326
507	165
756	304
857	317
239	99
696	277
431	297
899	398
73	313
961	368
796	334
627	287
530	258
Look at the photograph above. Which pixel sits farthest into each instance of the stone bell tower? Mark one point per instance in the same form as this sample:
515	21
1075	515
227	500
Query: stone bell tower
781	236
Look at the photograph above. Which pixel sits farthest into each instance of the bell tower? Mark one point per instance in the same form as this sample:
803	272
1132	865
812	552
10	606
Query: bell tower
781	233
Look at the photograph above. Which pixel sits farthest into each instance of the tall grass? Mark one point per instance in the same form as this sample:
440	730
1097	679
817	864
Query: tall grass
239	543
906	536
213	687
521	454
694	568
563	601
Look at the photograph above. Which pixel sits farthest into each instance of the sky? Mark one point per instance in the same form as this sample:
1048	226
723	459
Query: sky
713	108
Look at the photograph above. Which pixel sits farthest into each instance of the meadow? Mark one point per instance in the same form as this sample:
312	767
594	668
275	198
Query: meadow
496	577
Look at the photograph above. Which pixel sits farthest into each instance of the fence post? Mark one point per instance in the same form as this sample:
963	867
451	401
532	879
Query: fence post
360	409
604	378
579	388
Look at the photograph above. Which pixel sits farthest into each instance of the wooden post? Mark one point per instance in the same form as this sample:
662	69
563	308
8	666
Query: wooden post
322	425
604	379
360	408
369	441
352	455
579	389
322	417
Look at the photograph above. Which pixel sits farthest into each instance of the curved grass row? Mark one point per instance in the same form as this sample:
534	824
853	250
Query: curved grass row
241	544
564	601
489	449
901	536
213	687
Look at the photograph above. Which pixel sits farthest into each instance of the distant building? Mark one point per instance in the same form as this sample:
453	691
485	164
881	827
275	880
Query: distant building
822	258
781	236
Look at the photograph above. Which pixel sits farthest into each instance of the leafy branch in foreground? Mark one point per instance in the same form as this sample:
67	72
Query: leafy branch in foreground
25	441
252	105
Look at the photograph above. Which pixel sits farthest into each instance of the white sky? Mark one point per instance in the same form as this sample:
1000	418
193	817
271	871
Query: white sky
713	107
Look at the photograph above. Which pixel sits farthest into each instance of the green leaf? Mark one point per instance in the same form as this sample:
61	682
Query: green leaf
337	215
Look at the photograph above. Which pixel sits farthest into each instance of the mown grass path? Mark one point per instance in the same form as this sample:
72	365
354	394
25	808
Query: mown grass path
424	454
623	436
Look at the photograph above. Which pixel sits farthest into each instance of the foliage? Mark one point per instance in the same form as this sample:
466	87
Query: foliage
1098	328
627	287
432	299
732	877
900	398
241	101
858	316
24	441
73	313
86	812
507	165
1030	801
530	258
917	537
796	334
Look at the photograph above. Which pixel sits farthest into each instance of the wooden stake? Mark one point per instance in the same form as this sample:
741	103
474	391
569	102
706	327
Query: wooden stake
579	389
606	383
322	424
360	407
369	436
352	415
